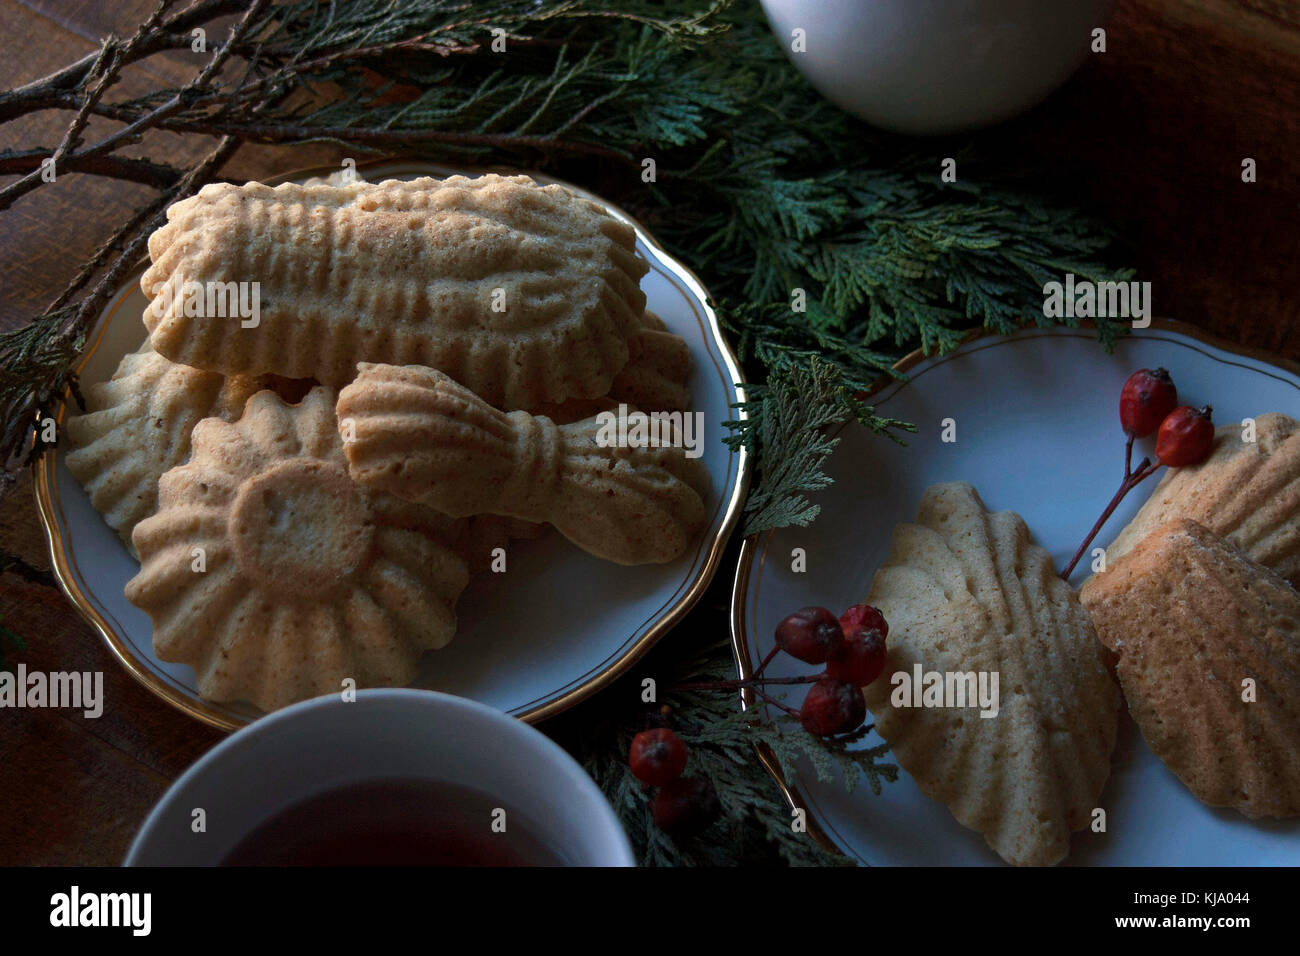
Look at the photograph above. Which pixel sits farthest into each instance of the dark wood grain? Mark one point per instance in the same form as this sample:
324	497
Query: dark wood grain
1150	134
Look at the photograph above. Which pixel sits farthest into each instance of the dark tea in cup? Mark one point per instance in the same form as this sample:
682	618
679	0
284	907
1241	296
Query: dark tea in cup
395	822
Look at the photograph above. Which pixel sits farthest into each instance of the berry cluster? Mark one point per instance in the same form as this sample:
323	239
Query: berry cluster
684	806
851	646
1148	404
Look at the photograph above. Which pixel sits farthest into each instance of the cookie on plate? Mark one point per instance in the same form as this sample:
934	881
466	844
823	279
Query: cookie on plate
1208	646
276	577
967	593
413	432
526	294
656	377
137	426
1246	491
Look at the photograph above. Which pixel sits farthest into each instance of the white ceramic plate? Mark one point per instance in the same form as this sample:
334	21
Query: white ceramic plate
558	625
1038	433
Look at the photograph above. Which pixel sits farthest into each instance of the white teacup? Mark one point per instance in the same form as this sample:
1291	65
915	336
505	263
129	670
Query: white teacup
936	66
323	744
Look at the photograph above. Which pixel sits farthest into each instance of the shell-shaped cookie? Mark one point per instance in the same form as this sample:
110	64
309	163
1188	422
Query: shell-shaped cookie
275	577
526	294
1208	645
966	592
1248	491
414	432
137	426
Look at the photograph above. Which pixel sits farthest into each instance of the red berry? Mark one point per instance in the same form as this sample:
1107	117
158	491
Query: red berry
657	756
810	634
861	659
863	617
1147	397
685	806
832	707
1186	437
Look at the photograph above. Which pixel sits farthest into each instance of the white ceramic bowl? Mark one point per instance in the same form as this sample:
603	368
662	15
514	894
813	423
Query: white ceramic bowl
937	66
325	743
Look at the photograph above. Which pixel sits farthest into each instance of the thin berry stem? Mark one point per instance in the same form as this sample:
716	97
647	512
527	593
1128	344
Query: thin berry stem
776	649
776	703
1146	468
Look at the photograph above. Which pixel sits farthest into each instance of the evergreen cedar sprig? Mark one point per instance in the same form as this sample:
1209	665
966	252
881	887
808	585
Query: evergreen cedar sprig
756	822
818	395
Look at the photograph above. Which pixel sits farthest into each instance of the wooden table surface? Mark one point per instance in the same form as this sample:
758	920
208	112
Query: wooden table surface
1150	134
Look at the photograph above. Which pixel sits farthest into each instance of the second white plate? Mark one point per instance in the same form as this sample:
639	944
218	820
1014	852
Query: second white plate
1037	428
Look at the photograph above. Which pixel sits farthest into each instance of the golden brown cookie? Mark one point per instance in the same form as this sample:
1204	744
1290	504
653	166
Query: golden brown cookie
276	577
413	432
1248	492
137	426
966	591
1192	618
655	378
526	294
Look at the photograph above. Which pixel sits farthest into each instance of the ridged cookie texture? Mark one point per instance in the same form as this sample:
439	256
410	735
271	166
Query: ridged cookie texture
526	294
275	576
657	376
137	426
1246	491
414	432
966	590
1191	617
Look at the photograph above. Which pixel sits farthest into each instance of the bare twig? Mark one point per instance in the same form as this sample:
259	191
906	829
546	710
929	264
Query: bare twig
173	34
107	67
384	138
145	214
13	564
375	137
143	171
19	435
170	34
131	132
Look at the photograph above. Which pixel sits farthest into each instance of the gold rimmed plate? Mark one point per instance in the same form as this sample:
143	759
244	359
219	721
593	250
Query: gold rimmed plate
1037	431
555	627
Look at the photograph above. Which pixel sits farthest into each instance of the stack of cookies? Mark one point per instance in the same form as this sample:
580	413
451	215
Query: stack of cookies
292	538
